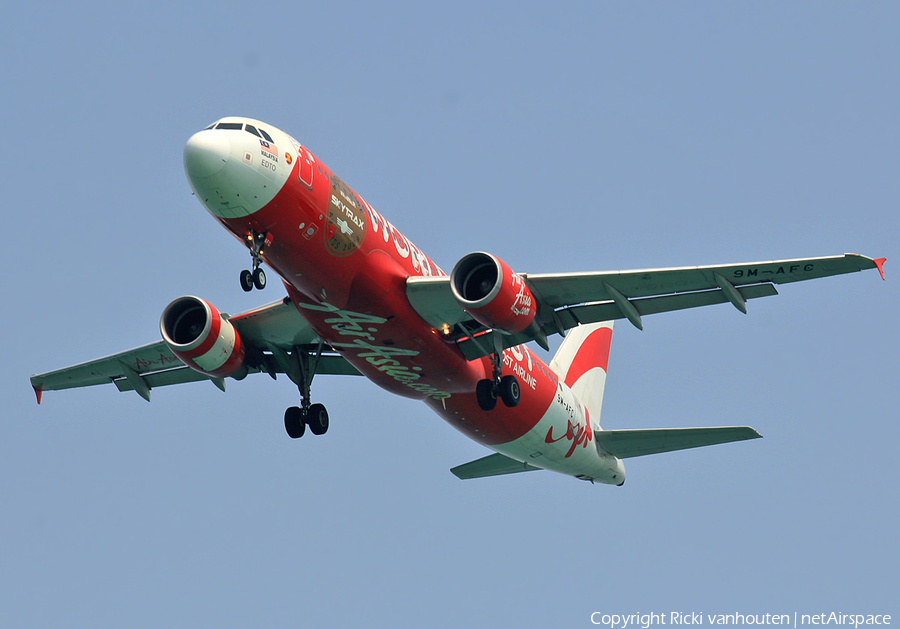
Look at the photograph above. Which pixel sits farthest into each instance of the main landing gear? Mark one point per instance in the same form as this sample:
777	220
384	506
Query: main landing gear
256	277
506	387
296	419
300	366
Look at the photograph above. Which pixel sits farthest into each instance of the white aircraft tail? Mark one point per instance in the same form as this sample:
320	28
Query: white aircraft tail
581	362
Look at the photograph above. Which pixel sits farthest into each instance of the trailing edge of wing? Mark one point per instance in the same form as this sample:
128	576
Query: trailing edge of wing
630	443
329	364
491	465
609	310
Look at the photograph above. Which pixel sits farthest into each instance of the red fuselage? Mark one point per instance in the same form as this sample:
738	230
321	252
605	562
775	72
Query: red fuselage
345	268
353	294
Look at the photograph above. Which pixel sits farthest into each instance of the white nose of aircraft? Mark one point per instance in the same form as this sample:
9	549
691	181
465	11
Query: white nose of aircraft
236	166
206	154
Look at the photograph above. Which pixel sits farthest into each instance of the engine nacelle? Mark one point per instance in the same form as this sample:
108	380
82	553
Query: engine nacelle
489	291
204	341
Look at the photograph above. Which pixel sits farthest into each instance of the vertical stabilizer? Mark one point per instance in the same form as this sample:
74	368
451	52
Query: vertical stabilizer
581	362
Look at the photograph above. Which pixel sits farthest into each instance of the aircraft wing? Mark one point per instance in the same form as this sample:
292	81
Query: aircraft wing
270	334
569	299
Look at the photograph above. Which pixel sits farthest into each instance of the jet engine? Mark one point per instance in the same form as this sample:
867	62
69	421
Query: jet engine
489	291
203	340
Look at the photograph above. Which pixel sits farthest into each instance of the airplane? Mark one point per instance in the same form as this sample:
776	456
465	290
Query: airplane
363	299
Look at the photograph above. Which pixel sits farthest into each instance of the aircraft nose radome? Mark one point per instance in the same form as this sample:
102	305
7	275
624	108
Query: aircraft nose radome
206	153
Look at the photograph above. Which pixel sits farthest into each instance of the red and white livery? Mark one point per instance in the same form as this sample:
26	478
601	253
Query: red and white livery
204	341
363	299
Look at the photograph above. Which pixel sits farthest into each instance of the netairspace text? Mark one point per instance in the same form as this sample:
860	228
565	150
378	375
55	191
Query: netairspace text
645	621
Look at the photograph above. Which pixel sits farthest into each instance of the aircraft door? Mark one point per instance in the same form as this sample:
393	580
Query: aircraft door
305	167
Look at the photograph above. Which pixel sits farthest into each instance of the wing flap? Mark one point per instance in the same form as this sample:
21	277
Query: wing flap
165	378
491	465
328	364
630	443
609	311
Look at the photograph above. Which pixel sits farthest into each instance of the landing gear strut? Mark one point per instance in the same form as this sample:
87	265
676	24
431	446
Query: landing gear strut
300	366
256	277
506	387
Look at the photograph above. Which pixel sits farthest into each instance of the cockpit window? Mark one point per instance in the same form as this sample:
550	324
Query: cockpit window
235	126
251	129
266	135
209	127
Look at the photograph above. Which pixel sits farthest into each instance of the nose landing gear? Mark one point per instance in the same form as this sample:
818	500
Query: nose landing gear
256	277
250	279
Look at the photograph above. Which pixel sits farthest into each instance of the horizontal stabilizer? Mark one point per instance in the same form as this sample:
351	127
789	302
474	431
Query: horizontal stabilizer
629	443
492	465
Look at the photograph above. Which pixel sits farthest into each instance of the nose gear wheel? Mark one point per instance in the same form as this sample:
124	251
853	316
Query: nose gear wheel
255	277
246	280
259	278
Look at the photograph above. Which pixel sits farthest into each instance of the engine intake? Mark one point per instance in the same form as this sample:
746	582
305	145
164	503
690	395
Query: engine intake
489	291
195	332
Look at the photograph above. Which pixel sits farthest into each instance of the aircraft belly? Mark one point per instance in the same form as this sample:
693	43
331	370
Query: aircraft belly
401	354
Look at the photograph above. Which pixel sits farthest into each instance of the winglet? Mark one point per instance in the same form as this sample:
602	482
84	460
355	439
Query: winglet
38	392
879	264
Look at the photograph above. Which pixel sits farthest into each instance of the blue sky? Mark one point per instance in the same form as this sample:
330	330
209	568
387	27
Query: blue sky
586	136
